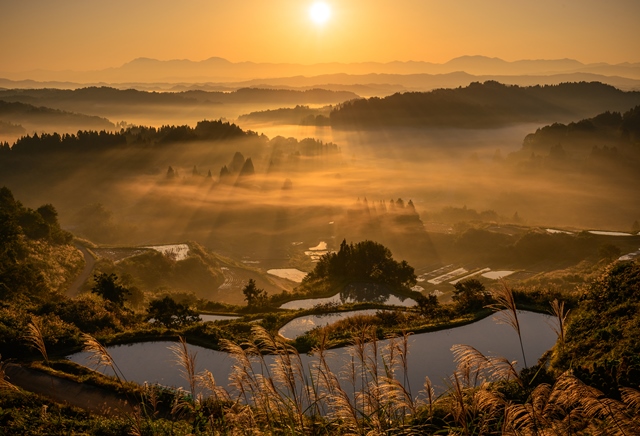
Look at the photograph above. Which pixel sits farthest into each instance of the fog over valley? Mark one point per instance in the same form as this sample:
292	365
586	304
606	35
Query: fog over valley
320	217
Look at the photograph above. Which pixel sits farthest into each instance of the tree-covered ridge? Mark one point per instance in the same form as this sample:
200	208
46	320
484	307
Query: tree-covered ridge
88	141
607	145
601	342
141	137
17	221
365	261
68	98
482	105
608	129
24	113
299	115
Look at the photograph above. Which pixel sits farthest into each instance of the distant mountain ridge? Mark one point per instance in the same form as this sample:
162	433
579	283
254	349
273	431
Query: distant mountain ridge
365	85
146	70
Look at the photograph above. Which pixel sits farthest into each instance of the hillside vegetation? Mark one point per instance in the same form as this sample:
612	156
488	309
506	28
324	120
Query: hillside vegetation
483	105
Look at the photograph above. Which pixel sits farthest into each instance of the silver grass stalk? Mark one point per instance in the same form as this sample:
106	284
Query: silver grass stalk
496	368
507	311
35	337
99	355
187	363
557	310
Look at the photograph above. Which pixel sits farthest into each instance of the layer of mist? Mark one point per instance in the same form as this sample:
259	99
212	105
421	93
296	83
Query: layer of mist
257	199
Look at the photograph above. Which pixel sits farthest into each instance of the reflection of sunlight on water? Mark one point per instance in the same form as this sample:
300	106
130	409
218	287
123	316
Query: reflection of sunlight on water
554	231
475	273
630	256
448	276
607	233
495	275
175	251
429	353
293	274
308	303
321	246
299	326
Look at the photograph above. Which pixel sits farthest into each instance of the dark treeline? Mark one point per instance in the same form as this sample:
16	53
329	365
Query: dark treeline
40	118
608	143
19	226
608	128
366	261
299	115
528	248
394	223
483	105
93	141
65	98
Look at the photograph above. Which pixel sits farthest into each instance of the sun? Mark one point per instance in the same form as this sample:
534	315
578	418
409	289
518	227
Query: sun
320	12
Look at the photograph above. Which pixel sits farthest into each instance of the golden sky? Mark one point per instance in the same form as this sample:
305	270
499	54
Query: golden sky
96	34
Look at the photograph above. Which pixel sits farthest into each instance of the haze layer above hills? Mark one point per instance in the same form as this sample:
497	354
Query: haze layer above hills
145	70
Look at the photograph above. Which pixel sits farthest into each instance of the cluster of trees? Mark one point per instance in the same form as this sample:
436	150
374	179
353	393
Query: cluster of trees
39	224
93	141
601	343
78	99
199	274
481	105
381	206
607	128
169	313
41	118
469	296
9	128
366	261
299	115
254	296
19	225
238	169
37	262
606	142
394	223
454	215
525	249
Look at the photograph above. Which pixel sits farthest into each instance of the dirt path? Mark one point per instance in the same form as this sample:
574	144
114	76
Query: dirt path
88	397
59	389
89	263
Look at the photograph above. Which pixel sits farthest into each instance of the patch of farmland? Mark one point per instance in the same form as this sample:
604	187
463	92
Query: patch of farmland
174	251
448	276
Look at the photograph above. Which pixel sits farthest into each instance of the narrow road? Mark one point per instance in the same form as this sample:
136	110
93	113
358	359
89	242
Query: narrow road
89	263
88	397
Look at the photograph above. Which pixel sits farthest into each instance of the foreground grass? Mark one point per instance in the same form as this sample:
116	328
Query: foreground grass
373	399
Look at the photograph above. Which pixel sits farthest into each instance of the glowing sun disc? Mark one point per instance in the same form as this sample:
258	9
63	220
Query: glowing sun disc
320	12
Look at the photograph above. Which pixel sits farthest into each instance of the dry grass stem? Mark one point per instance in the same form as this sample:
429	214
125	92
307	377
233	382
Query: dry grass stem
35	337
557	310
99	355
507	311
187	363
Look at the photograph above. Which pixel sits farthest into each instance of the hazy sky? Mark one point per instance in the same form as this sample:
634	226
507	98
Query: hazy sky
96	34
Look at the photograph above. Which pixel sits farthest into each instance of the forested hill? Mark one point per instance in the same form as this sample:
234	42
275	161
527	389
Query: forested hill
70	99
608	130
93	141
40	118
483	105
